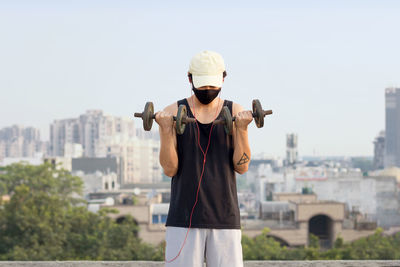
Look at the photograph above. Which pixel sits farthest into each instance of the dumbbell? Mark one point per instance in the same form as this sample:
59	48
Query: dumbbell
258	115
148	115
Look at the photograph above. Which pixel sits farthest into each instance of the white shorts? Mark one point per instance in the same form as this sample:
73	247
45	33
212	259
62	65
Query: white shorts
219	247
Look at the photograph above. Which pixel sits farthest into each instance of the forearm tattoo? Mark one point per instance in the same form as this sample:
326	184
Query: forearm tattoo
244	159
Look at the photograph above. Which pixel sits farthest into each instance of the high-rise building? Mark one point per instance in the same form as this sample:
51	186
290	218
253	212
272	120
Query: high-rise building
102	135
63	132
87	130
18	142
139	157
379	151
291	149
392	131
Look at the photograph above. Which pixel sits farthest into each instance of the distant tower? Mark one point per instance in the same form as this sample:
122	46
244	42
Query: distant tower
392	131
379	151
291	149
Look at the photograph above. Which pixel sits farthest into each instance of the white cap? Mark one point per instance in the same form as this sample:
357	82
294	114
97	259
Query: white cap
207	68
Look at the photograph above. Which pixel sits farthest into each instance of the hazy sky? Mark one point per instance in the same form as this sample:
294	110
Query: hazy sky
321	66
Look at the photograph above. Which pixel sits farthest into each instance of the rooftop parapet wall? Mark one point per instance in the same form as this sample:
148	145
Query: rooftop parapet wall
160	264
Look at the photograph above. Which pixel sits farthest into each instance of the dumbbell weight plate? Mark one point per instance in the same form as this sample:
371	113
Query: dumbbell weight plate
227	117
148	116
258	113
180	118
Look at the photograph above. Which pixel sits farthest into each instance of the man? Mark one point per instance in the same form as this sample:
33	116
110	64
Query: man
203	218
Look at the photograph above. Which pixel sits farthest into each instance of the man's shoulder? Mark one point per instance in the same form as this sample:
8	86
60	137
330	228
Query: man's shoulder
236	108
172	108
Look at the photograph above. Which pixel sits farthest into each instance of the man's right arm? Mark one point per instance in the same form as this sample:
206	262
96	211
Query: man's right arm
168	147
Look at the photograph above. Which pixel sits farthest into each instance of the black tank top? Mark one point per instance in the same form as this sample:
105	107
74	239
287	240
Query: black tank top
217	205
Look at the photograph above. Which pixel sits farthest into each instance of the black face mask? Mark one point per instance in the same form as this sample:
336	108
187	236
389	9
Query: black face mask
206	96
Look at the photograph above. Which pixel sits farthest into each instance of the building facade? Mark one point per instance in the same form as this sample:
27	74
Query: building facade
291	149
19	142
392	124
98	135
87	130
379	151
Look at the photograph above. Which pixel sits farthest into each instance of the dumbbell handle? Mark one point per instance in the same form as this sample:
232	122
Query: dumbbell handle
138	115
266	112
185	120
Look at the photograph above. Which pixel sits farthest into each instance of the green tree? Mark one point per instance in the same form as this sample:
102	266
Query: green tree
376	247
313	241
33	221
262	247
47	219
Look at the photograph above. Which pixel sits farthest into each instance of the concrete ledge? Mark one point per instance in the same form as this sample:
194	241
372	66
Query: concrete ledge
159	263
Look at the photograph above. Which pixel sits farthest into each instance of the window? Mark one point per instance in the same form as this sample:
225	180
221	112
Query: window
155	219
159	218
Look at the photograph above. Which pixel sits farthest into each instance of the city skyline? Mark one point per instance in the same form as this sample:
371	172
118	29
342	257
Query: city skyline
322	68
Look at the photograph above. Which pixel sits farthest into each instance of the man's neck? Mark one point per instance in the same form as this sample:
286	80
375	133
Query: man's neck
200	106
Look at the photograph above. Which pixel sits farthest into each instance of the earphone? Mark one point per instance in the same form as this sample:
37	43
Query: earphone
201	175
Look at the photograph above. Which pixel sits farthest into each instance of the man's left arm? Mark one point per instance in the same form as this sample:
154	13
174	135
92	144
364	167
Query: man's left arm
241	154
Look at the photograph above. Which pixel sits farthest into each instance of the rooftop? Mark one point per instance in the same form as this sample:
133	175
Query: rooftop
159	264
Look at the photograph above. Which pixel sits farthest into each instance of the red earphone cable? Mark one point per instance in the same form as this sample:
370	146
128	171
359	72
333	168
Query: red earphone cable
201	175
